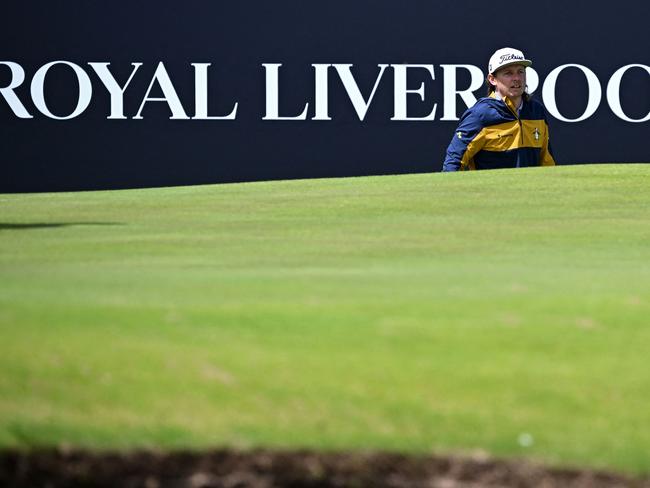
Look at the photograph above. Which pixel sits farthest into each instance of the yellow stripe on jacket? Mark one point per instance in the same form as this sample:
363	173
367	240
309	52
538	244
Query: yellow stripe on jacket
510	136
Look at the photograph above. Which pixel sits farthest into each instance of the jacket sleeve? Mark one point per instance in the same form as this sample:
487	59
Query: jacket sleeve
546	155
461	149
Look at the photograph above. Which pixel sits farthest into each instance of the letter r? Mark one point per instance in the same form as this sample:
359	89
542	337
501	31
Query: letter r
17	78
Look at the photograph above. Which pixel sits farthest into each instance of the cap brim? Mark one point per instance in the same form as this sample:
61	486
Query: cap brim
524	62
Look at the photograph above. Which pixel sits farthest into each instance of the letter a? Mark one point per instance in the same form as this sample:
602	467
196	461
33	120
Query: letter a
169	93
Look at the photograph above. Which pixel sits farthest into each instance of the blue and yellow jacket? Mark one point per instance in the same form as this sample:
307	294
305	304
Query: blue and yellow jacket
492	135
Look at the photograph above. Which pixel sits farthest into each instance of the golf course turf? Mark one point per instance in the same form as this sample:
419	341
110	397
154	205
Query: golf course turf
504	312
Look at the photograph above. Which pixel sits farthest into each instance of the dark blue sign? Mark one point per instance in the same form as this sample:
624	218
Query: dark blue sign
96	96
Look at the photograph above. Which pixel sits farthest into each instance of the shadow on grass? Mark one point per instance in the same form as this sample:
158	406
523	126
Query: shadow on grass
222	468
49	225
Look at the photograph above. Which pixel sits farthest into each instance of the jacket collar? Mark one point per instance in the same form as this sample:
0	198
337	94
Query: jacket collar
508	102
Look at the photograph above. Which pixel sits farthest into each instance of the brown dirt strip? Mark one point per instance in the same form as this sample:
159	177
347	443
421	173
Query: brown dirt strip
58	468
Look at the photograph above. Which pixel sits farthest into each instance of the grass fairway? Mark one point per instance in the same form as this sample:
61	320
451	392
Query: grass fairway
503	311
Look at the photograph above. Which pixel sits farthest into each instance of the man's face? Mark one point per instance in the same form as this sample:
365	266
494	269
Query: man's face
510	81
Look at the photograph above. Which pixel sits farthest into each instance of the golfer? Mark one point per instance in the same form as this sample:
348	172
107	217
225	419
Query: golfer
506	129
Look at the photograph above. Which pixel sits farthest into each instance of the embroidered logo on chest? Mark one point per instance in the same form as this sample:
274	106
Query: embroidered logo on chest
536	134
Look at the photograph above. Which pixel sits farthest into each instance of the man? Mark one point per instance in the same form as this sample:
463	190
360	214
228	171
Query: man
506	129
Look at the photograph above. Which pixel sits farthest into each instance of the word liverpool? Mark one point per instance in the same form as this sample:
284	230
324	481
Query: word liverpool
317	108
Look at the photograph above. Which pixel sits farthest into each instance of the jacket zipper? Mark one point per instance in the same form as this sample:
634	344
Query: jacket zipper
521	127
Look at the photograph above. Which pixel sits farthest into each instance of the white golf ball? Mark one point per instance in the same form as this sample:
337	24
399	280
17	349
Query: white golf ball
525	439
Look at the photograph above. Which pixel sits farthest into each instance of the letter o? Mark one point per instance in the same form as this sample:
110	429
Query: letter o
595	93
532	80
85	90
614	93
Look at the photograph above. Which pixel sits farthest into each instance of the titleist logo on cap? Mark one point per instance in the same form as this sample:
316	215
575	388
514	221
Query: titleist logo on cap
509	57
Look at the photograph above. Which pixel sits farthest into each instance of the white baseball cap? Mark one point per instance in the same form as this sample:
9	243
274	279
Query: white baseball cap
506	56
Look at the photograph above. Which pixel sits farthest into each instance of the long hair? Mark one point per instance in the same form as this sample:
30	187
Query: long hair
490	87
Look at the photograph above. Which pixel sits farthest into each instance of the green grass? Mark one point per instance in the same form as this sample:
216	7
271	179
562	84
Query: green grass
418	313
